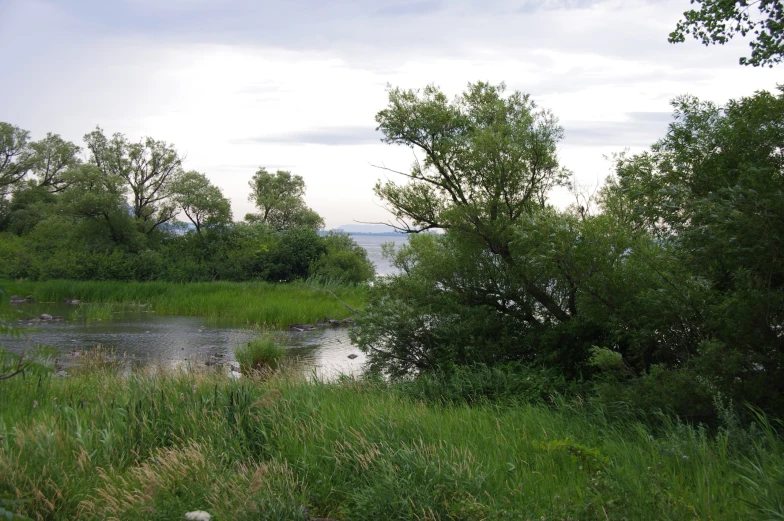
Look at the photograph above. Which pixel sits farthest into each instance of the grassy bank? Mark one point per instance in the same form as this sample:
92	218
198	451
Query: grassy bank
260	303
154	446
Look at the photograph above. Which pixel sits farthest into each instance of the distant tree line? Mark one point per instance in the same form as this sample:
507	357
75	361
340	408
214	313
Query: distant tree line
108	211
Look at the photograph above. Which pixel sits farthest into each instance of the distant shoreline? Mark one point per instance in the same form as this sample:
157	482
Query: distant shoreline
385	234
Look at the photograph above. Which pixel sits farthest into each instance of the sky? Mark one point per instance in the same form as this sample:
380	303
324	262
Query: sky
295	84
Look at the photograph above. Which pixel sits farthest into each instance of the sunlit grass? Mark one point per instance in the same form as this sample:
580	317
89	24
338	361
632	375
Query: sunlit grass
154	445
254	303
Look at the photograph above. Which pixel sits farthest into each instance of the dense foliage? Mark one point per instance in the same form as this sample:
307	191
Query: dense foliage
718	21
110	215
669	293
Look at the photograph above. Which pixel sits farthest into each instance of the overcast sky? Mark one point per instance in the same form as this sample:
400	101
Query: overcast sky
296	84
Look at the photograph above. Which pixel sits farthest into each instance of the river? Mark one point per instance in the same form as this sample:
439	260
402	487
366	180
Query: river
142	338
372	244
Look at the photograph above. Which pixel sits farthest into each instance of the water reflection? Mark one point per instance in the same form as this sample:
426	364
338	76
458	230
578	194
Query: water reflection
144	338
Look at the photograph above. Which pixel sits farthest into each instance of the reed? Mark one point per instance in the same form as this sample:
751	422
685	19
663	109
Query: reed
154	445
260	354
253	303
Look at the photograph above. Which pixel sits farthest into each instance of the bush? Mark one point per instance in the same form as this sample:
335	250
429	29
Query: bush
344	261
260	354
14	258
672	391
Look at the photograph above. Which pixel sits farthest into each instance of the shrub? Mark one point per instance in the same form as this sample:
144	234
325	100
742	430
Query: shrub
673	391
344	261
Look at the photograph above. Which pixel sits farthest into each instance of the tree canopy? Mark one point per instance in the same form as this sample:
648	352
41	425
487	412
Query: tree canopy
280	200
148	169
13	159
202	202
487	159
489	162
718	21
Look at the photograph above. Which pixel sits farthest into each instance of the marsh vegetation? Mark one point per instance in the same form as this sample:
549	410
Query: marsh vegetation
156	445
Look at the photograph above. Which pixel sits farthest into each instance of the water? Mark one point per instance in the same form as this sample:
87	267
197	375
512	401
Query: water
372	244
142	338
191	342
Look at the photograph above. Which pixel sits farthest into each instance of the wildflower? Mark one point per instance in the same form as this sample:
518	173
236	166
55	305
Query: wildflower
35	404
195	388
182	397
198	515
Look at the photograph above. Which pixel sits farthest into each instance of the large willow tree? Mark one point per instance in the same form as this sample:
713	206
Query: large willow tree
485	163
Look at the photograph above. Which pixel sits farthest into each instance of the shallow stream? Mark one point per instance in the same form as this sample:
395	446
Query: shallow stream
144	338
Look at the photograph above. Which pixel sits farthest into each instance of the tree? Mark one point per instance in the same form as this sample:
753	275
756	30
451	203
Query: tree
344	261
14	160
97	197
489	162
280	200
492	287
513	279
201	201
712	191
718	21
148	168
50	159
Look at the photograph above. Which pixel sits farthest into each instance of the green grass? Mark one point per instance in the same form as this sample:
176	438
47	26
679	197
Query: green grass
259	303
154	445
260	354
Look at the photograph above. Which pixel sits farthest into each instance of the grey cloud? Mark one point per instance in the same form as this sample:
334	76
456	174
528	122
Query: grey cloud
329	136
250	168
639	129
408	9
366	32
530	6
579	78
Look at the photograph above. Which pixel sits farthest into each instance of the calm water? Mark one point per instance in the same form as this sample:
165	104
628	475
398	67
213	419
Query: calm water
176	341
372	243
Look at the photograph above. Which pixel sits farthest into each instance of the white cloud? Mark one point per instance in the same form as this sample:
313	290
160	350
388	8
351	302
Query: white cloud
237	84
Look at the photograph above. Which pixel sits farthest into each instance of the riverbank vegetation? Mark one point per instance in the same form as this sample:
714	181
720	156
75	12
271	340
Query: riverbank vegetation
665	289
154	445
261	304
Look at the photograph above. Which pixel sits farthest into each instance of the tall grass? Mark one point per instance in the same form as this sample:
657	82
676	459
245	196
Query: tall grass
260	354
154	446
260	303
